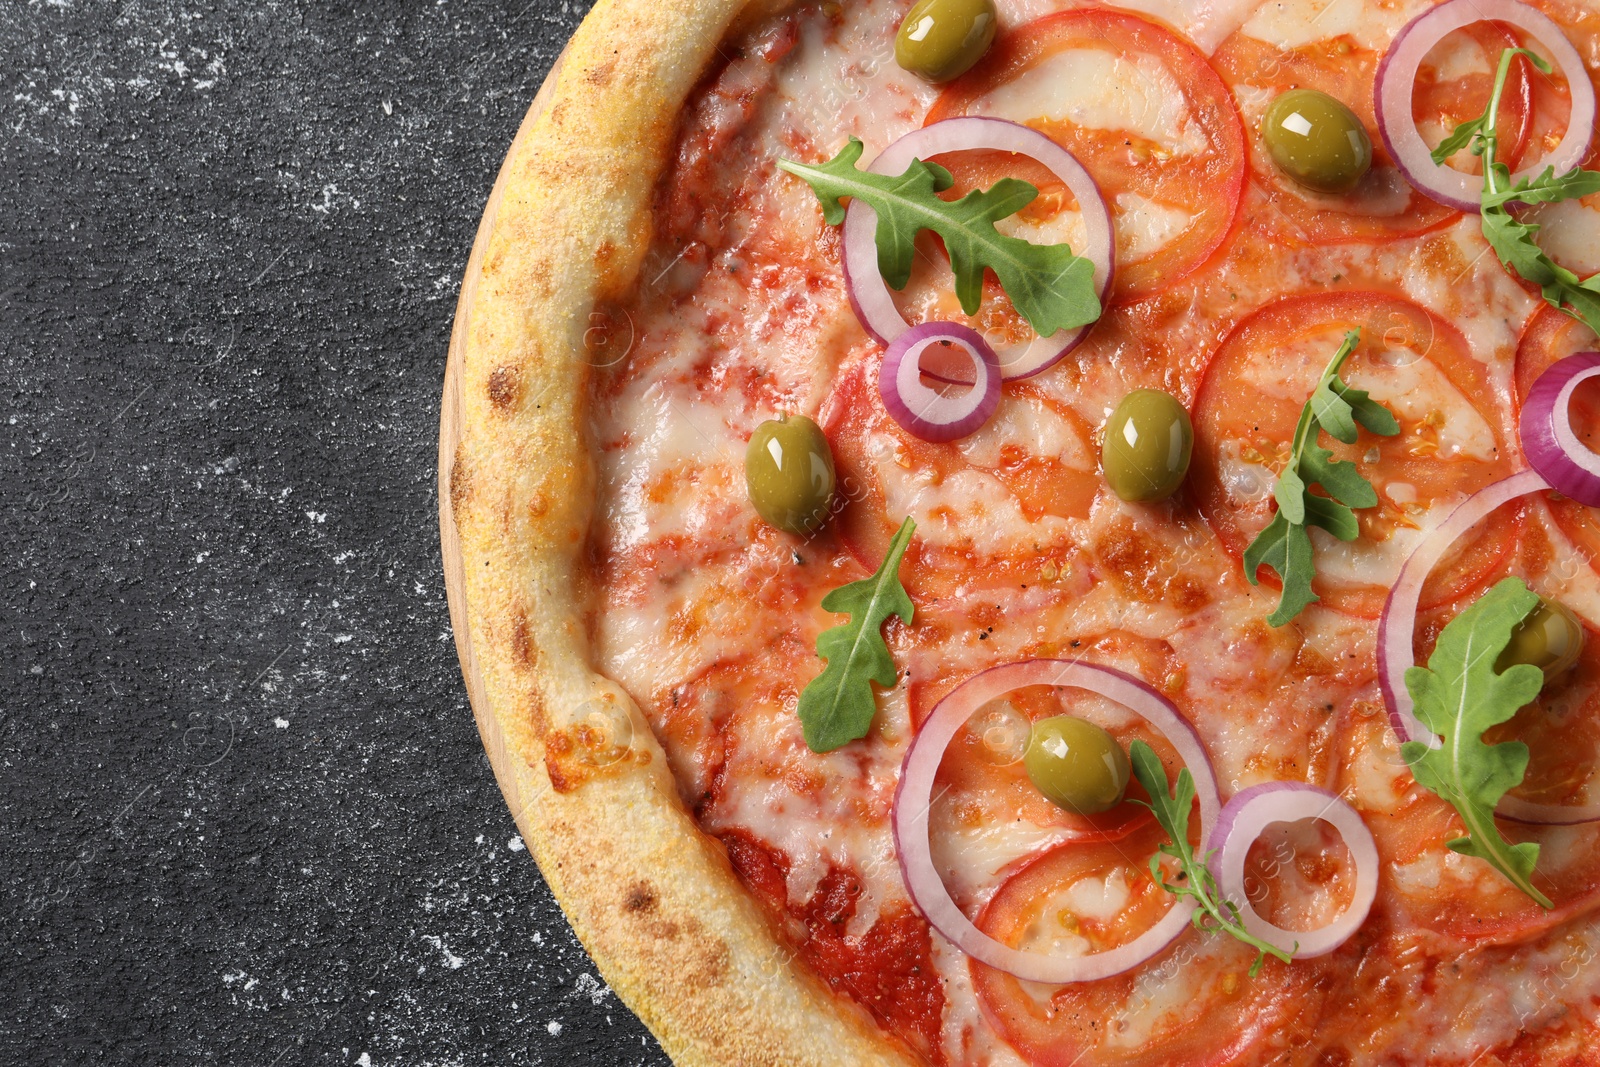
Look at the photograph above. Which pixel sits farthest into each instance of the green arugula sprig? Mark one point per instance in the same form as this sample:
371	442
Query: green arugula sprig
1458	696
836	707
1512	239
1050	286
1285	545
1213	913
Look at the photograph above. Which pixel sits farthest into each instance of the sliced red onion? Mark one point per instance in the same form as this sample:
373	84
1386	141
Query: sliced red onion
928	413
869	293
1397	78
1552	448
913	798
1398	624
1248	815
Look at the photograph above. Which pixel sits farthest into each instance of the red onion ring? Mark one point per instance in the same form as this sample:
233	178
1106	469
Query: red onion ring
1244	819
925	412
870	296
913	798
1397	78
1550	444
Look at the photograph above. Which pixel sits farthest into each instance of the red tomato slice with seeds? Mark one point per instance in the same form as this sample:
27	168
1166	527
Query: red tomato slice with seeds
1448	447
989	508
1383	205
1192	1004
1172	183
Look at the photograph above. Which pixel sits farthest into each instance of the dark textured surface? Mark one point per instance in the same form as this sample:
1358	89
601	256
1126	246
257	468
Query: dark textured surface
244	814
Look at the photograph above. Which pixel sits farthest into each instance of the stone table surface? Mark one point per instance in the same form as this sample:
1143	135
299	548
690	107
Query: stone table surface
245	817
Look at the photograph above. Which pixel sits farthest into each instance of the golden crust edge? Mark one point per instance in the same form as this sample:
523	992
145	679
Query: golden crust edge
651	897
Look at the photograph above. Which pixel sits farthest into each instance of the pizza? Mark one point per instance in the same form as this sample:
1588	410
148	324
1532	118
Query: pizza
1012	532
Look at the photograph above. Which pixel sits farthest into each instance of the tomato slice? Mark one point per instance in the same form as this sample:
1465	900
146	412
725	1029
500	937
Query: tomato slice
1171	178
989	508
1425	886
1548	337
1194	1003
1383	205
1250	398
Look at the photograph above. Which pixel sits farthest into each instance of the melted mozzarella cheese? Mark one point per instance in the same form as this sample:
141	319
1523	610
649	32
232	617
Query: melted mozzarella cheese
953	511
1417	390
1570	235
1027	424
1093	88
1291	24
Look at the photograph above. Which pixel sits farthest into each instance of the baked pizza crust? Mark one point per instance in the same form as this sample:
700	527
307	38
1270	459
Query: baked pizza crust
651	897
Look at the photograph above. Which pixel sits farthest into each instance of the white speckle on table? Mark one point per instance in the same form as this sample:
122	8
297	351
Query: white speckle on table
281	723
588	985
554	1028
515	844
451	960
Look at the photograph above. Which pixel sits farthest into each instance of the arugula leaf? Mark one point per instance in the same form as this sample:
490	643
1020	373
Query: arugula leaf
1512	239
1458	696
837	706
1213	913
1284	545
1050	286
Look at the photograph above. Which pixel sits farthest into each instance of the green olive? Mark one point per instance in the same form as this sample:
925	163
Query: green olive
940	39
789	471
1550	638
1147	446
1316	140
1076	764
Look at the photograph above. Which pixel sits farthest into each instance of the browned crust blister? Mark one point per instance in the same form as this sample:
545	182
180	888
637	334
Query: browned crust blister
652	898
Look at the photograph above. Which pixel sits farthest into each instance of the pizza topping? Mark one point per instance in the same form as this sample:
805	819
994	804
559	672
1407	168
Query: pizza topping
1284	545
1399	620
1080	288
1214	913
837	706
1550	638
788	468
1316	140
1077	764
1396	83
1243	821
913	799
1511	237
1559	459
949	411
1552	446
940	39
1050	286
1461	694
1144	111
1147	445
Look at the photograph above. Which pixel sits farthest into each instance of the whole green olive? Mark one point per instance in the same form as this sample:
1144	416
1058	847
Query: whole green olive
1550	638
1316	140
1076	764
941	39
1147	446
788	469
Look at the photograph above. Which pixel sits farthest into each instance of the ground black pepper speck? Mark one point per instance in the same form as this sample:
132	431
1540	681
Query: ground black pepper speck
244	814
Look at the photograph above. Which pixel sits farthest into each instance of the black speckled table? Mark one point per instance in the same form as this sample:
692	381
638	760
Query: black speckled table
244	814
